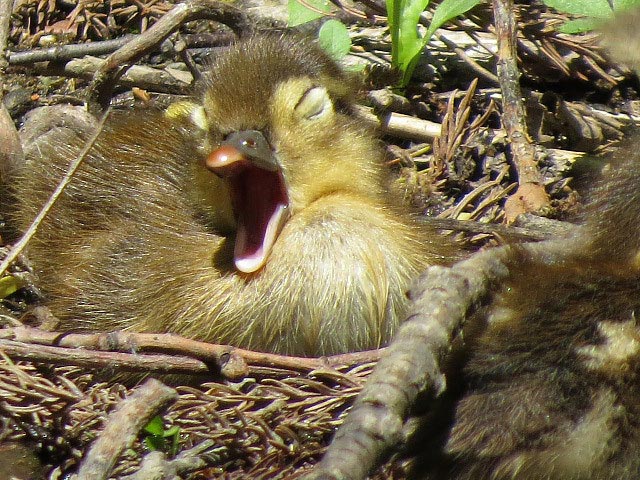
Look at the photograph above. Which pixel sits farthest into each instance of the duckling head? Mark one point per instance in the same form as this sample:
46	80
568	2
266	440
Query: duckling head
275	112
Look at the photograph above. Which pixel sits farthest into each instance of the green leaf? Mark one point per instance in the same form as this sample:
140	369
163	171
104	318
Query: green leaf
154	443
448	10
410	43
334	39
170	432
588	8
175	444
580	25
393	20
299	13
155	426
594	10
9	285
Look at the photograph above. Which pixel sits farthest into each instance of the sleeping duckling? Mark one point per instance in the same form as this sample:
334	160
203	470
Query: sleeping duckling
256	216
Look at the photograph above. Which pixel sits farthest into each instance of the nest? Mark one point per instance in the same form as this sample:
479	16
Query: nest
271	423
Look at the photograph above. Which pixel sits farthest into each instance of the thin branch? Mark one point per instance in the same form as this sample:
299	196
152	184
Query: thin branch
548	229
63	53
483	72
141	76
125	362
99	94
123	426
107	349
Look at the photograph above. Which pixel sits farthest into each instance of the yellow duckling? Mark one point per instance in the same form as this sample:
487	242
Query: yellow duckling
256	216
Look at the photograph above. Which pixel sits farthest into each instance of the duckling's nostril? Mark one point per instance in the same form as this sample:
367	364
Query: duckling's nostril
250	143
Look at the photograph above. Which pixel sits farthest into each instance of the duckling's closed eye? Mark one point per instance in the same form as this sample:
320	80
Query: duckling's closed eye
314	104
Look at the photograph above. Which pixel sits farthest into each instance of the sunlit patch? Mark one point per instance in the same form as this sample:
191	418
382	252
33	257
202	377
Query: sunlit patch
621	343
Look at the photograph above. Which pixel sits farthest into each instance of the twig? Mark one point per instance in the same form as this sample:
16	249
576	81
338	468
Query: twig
141	76
530	195
122	427
73	166
100	360
156	466
483	72
386	100
99	93
180	47
550	228
469	197
375	6
441	299
6	6
63	53
396	124
103	349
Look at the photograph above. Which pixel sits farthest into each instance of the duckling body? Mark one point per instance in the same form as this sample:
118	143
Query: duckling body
550	389
550	381
305	255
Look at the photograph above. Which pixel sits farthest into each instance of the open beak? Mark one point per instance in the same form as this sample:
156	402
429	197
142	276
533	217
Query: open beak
258	194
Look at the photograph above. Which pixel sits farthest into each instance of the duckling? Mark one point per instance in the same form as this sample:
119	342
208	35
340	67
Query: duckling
550	389
257	215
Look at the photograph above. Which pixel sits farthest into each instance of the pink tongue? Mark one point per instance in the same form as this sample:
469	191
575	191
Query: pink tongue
260	203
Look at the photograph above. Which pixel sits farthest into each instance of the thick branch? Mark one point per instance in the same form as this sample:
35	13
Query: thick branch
530	195
155	465
441	299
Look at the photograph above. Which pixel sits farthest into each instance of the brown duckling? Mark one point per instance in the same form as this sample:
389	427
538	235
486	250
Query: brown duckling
257	216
